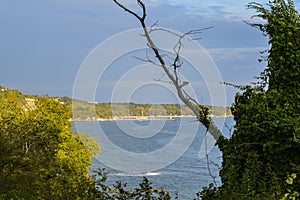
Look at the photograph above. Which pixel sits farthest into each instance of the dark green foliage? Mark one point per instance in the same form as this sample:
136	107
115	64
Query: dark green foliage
209	192
120	192
264	147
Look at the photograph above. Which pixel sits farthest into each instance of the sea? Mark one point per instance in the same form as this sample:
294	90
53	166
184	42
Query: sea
176	155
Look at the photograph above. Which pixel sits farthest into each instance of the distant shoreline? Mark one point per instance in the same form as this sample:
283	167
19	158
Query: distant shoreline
141	118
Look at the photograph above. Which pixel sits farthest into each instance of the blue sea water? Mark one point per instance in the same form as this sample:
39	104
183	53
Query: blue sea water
185	176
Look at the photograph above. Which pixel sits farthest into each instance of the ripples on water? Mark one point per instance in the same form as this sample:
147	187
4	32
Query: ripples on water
185	176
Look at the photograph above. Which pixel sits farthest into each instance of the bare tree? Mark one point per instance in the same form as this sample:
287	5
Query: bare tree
201	111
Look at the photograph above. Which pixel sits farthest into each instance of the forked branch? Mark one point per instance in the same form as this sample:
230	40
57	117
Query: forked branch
201	111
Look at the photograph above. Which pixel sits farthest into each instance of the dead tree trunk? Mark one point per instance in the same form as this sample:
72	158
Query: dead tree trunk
201	111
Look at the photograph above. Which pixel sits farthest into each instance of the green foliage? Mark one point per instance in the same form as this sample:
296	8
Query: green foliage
40	157
4	93
291	193
209	192
89	143
120	192
265	147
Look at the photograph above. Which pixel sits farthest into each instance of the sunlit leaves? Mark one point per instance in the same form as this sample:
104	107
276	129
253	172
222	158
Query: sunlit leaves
40	156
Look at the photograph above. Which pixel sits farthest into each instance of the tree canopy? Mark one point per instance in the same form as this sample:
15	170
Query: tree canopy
40	156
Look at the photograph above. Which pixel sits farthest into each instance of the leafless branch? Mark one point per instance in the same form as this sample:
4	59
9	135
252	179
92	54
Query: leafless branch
155	24
295	137
229	128
208	163
140	3
160	80
147	60
200	111
189	97
185	35
27	147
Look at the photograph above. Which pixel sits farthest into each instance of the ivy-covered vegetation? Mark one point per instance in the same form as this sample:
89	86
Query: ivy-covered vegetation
262	158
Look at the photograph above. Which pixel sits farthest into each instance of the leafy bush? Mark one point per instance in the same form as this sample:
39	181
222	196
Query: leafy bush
264	147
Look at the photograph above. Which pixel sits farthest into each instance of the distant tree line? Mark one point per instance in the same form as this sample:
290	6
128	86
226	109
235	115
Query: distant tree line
84	110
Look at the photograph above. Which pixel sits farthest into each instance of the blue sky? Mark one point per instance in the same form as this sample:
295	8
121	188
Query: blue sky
43	43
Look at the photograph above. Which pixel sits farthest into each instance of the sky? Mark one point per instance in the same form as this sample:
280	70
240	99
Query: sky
44	43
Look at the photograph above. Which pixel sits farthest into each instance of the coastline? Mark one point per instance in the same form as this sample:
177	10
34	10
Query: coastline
141	118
